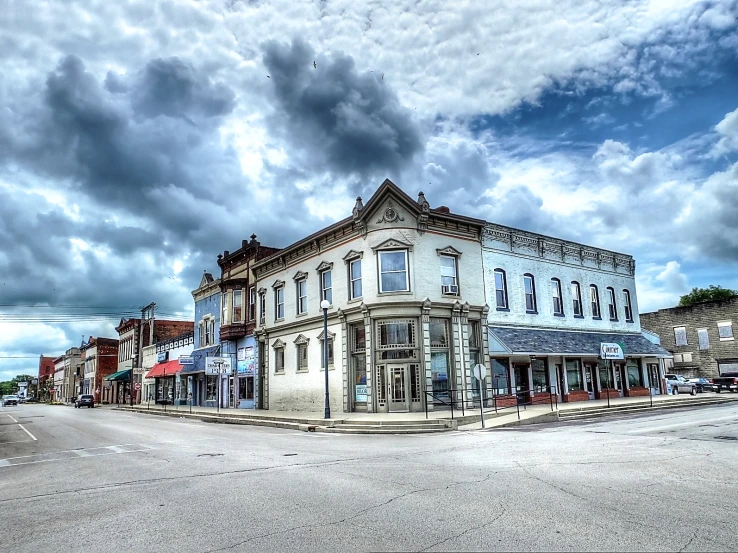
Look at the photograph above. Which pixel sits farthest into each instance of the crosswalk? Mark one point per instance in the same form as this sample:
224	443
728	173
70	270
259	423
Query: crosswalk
72	454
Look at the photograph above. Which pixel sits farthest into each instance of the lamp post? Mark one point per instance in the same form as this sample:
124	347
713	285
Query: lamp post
324	305
133	365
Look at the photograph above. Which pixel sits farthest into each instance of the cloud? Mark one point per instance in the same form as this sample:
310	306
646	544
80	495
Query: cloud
727	130
673	280
343	121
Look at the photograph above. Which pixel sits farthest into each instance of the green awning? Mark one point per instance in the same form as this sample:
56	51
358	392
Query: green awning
120	375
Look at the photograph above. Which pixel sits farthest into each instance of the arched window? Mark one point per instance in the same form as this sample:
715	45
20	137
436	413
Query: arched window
558	301
529	284
576	295
594	297
612	307
501	289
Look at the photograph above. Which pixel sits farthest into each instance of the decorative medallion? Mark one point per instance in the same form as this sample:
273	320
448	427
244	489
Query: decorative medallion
390	214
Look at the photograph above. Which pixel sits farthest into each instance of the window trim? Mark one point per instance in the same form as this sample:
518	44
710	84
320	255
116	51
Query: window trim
724	324
237	292
278	348
332	344
455	260
501	272
533	311
628	306
252	304
302	342
351	278
224	308
612	306
577	298
557	290
707	336
380	253
323	288
298	297
686	337
595	302
277	303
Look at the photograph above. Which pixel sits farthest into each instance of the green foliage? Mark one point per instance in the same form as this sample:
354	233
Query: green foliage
701	295
11	386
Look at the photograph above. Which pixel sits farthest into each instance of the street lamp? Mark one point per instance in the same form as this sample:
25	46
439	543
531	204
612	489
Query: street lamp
324	305
133	365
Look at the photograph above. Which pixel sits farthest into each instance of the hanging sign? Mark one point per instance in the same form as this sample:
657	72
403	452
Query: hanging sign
611	351
218	365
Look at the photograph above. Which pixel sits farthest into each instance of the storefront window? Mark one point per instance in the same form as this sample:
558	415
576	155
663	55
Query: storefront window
438	330
396	333
246	388
358	363
211	385
574	376
439	372
500	378
605	377
634	375
540	375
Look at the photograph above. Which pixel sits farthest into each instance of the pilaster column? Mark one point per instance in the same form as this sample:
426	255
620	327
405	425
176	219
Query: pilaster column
369	355
426	352
345	362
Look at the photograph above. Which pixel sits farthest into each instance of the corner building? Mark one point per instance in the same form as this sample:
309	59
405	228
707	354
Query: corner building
407	319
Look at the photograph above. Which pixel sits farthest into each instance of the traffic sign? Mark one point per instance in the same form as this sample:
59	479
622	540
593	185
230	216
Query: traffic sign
480	371
137	386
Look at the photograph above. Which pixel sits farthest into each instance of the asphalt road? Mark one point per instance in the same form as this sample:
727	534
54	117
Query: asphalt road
103	480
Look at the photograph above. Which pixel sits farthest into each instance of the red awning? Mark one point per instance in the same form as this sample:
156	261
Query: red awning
160	370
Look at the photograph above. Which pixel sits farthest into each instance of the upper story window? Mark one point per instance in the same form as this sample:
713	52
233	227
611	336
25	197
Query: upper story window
355	290
449	280
279	302
302	298
252	303
262	306
224	308
576	299
703	339
529	284
558	302
501	289
680	335
725	330
612	307
278	356
594	298
237	310
393	271
326	286
628	306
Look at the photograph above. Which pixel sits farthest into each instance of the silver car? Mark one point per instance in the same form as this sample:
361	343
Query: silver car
677	384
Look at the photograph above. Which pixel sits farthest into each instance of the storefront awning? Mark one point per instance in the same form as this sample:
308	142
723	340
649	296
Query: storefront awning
528	341
161	370
198	359
120	375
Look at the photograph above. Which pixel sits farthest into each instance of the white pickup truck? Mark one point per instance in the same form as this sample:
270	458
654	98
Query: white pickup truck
676	384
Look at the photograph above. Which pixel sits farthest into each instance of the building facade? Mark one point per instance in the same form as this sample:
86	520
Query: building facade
58	393
168	387
552	303
45	377
100	359
407	319
700	337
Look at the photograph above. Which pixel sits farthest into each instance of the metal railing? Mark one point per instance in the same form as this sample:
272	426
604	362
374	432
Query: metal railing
463	399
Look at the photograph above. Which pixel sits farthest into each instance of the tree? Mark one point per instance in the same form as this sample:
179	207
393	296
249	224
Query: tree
702	295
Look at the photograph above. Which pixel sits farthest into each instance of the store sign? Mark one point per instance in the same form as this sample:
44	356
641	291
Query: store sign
611	351
162	356
361	392
247	361
218	365
186	360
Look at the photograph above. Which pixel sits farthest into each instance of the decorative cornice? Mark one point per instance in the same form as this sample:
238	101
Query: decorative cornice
324	266
448	250
301	339
331	335
390	214
392	244
261	291
300	275
277	344
352	255
278	284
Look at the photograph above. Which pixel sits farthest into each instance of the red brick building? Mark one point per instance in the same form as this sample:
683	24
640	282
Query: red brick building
45	376
100	359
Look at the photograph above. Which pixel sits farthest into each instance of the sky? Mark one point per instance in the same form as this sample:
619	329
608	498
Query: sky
140	139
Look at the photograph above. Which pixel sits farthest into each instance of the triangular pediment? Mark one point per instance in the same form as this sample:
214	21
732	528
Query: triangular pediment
324	266
301	339
392	244
277	284
300	275
278	344
331	335
351	255
448	250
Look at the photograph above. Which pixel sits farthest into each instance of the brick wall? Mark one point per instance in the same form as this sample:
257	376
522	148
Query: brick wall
164	330
703	315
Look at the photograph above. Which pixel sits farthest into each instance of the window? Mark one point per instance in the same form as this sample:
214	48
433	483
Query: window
393	273
539	368
576	295
330	351
635	378
237	306
558	302
448	273
397	339
262	307
327	289
725	331
574	376
252	303
438	330
628	307
680	335
302	296
439	358
279	358
501	289
279	303
500	376
224	308
355	290
594	298
612	308
530	293
703	339
302	357
358	362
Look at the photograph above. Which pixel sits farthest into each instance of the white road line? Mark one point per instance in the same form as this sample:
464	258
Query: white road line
27	432
679	424
4	463
117	449
11	418
16	442
84	453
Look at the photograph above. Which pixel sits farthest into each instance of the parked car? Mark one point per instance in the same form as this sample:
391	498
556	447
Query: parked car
10	399
702	384
677	383
727	382
85	400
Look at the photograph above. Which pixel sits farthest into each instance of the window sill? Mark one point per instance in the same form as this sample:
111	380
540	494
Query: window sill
330	368
727	339
356	299
596	318
455	296
301	315
329	308
629	321
503	309
302	371
613	320
559	315
278	373
280	320
531	312
397	293
578	316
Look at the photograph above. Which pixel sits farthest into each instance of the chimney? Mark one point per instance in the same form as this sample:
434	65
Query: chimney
443	209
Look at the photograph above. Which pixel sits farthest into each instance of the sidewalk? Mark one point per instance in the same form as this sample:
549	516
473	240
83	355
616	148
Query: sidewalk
416	422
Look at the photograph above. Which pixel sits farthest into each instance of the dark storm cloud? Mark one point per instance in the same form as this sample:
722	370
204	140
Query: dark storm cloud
346	122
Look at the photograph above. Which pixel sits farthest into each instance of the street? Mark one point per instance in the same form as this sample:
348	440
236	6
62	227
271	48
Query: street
104	480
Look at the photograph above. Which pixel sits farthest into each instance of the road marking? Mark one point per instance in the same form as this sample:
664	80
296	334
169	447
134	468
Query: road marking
11	418
27	432
4	463
74	454
677	425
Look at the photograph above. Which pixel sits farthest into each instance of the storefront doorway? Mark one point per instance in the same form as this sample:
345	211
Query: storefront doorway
522	382
589	379
398	387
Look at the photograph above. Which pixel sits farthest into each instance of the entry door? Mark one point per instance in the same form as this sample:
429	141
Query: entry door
589	376
397	387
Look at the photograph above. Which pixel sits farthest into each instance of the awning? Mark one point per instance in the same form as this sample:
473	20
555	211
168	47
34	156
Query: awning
120	375
198	359
528	341
168	368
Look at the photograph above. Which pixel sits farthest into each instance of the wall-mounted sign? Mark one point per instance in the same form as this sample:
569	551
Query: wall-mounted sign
162	356
186	360
247	361
611	351
361	392
218	365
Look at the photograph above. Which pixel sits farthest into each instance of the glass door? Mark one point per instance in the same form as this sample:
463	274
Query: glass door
397	387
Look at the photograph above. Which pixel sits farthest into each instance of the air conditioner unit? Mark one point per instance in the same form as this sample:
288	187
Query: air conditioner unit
450	289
